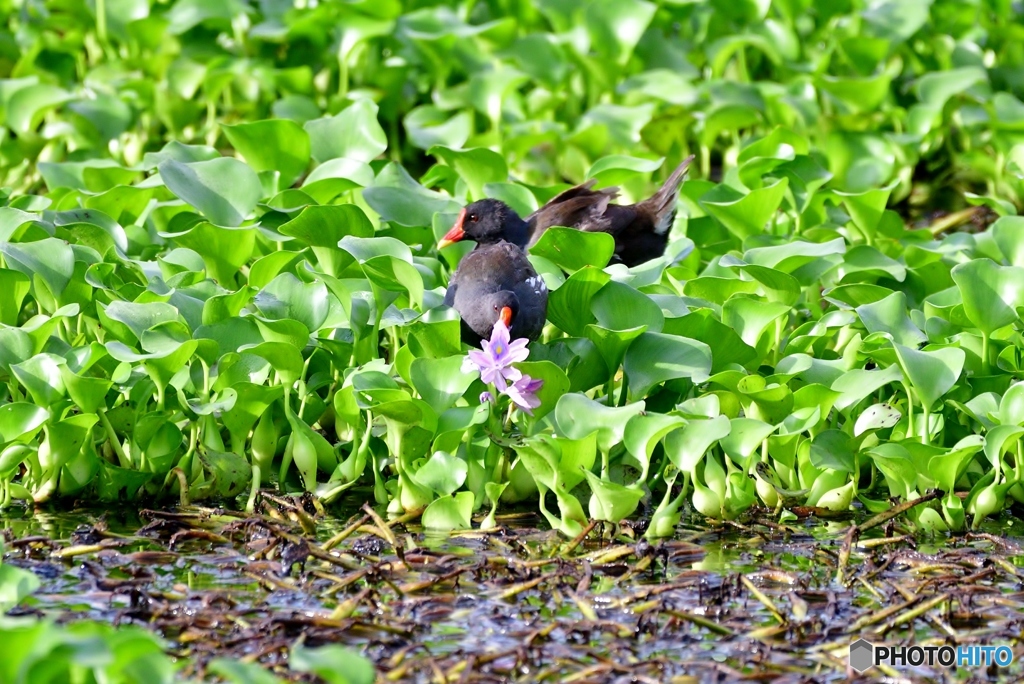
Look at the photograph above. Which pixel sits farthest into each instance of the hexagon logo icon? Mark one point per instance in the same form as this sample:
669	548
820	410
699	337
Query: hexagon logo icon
862	655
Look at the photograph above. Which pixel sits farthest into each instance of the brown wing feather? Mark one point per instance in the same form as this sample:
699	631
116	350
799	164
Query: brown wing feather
582	190
577	207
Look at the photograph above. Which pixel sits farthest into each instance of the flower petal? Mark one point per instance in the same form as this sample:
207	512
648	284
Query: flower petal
517	350
522	393
478	359
522	403
511	373
499	335
489	375
534	385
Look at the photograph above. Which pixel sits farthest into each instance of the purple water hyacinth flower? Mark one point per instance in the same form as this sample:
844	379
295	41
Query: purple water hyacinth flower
486	397
495	359
523	393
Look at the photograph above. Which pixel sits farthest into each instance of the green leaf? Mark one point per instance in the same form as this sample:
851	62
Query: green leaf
140	317
323	227
621	307
931	373
96	175
16	346
948	467
745	437
745	215
644	432
569	305
612	345
88	393
897	20
793	255
728	348
353	133
16	585
778	286
611	501
336	176
14	287
998	441
287	297
440	382
188	13
28	105
398	198
654	358
1008	233
832	449
937	87
860	93
545	460
767	401
50	259
616	26
272	145
889	315
555	385
41	376
21	420
224	250
860	383
449	513
579	417
284	358
686	447
240	672
991	293
718	290
619	168
333	663
442	473
1011	405
475	167
224	190
573	249
876	417
750	317
428	126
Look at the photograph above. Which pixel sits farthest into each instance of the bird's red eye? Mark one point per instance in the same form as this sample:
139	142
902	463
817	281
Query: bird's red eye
473	218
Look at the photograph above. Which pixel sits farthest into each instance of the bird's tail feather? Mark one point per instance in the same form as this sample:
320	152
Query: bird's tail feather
663	202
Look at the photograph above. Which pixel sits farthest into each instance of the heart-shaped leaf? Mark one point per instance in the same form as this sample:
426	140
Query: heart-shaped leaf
224	190
654	358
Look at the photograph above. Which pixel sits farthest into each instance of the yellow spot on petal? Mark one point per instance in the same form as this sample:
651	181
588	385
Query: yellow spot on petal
499	350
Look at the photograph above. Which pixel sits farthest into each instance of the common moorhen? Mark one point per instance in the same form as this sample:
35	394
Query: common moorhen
640	230
494	281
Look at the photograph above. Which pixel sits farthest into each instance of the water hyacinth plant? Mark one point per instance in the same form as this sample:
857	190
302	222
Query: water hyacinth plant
218	270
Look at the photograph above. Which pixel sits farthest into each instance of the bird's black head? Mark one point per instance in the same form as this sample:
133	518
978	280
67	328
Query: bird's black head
486	221
503	305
